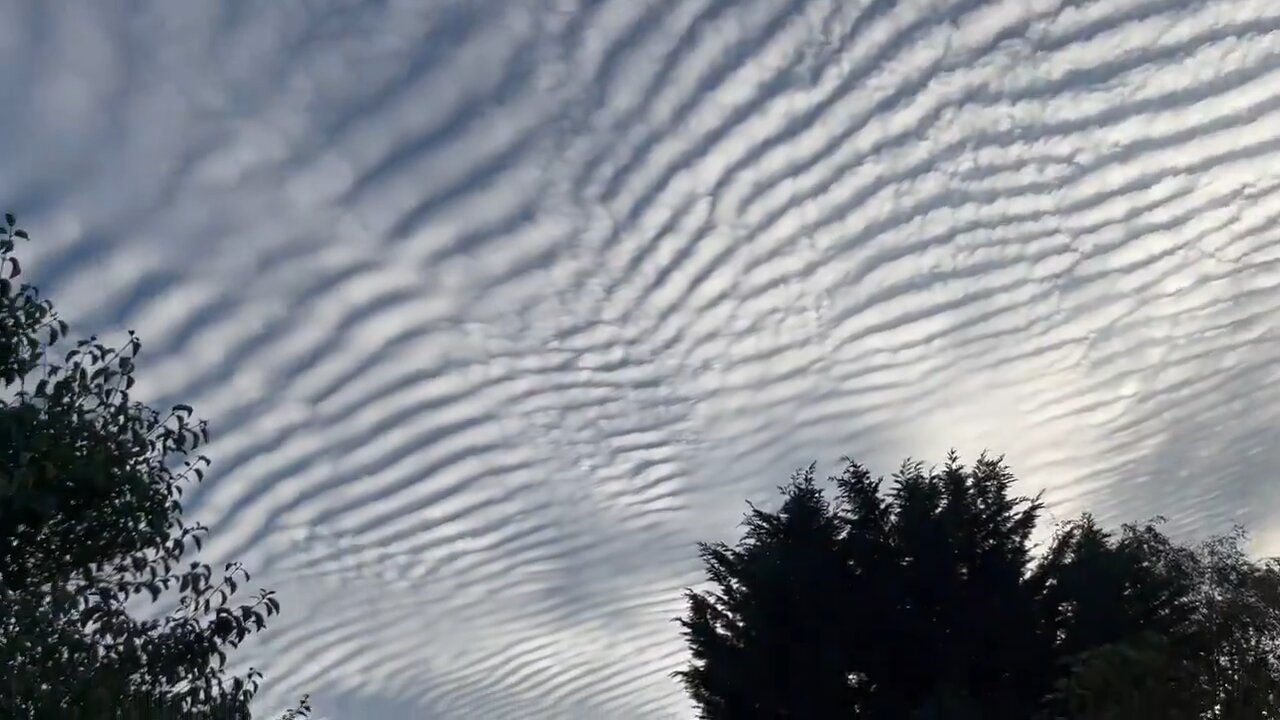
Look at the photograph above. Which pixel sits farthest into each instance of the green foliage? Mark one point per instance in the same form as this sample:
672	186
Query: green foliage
925	601
1211	650
1141	678
91	482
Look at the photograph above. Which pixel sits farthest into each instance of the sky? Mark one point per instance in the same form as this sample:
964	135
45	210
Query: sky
497	307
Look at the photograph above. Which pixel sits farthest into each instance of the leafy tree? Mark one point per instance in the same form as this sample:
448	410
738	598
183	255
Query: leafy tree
1095	587
1214	654
91	482
1234	639
1140	678
925	600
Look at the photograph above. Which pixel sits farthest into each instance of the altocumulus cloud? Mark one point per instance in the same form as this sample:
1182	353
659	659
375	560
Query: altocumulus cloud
497	306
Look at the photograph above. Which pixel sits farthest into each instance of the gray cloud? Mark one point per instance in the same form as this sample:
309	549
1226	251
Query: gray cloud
497	307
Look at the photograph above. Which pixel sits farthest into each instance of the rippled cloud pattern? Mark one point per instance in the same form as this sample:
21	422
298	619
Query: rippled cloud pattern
497	306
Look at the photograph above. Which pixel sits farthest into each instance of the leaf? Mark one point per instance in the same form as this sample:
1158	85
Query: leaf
9	218
22	234
183	408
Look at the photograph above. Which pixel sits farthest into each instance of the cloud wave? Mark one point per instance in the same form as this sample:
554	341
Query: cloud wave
497	307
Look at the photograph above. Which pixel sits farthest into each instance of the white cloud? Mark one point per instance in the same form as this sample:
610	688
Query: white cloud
496	307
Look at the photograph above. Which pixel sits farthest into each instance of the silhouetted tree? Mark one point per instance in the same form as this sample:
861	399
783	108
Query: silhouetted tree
1233	643
91	482
1140	678
764	644
925	601
1212	652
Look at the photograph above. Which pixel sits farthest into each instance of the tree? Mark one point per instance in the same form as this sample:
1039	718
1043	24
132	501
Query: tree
873	606
762	643
91	482
957	546
1140	678
1213	652
926	601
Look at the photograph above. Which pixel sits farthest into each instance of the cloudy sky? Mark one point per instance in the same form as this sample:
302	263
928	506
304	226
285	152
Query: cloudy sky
497	306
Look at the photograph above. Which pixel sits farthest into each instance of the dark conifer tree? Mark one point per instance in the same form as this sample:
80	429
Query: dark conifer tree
762	641
925	601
